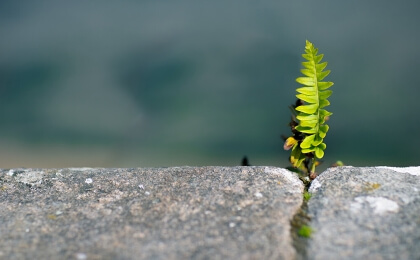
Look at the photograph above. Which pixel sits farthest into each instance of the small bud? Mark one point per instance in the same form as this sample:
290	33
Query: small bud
290	142
312	175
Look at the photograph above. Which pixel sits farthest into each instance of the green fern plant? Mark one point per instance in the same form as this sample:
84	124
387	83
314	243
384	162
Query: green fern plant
309	116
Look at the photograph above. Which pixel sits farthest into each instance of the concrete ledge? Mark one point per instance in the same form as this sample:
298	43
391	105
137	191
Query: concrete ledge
162	213
208	213
365	213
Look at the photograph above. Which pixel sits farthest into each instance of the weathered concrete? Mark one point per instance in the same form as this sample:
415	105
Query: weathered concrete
165	213
365	213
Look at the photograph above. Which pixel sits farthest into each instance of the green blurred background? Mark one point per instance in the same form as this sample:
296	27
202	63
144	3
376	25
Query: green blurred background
170	83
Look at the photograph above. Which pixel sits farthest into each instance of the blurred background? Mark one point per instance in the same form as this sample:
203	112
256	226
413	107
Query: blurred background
170	83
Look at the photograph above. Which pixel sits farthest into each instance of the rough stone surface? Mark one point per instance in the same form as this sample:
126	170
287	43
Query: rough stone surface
365	213
161	213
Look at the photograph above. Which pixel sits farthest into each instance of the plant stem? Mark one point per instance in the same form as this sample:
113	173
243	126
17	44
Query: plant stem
313	165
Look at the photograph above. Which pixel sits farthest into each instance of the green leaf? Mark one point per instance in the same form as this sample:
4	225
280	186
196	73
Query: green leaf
310	91
321	66
306	130
296	158
307	64
307	56
307	81
306	117
324	103
324	112
325	94
317	140
318	58
307	142
308	150
324	85
306	98
323	129
307	72
311	124
308	109
319	153
321	75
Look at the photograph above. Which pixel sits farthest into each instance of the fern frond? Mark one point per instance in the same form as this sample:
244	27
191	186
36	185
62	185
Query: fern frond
312	115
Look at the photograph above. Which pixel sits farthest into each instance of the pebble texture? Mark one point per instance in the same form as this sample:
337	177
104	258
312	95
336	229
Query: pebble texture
365	213
160	213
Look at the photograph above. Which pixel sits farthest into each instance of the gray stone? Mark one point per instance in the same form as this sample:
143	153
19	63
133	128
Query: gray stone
365	213
161	213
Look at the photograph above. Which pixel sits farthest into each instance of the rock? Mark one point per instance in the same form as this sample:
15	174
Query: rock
365	213
161	213
28	177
